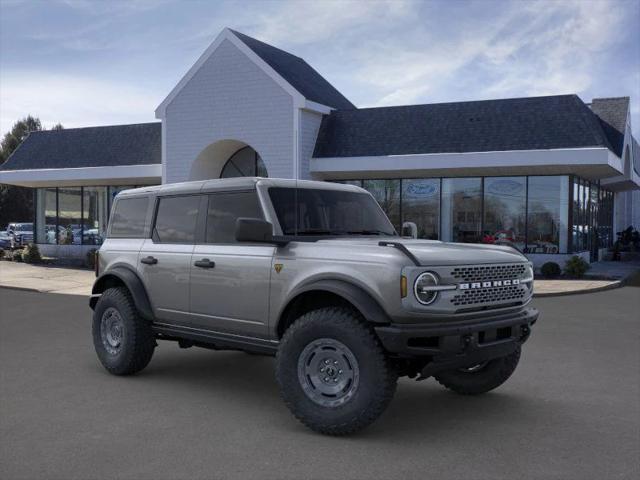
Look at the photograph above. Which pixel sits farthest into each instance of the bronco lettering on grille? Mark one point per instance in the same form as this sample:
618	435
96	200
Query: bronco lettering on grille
488	284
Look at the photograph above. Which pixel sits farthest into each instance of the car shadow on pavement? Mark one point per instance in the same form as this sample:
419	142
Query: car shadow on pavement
417	407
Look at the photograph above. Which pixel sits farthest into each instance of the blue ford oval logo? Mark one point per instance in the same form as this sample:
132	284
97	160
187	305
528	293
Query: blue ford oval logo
426	189
505	187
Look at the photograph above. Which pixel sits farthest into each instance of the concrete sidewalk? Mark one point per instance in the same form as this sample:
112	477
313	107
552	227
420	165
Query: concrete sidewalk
42	278
75	281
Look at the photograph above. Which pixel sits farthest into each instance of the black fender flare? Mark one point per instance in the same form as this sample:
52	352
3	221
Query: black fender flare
355	295
132	281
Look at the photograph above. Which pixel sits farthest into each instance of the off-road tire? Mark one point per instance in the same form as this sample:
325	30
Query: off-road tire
377	378
138	341
489	377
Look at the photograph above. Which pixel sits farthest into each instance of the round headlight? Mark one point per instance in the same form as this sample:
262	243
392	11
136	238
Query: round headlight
422	288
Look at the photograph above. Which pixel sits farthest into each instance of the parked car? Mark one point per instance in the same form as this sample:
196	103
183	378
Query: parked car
5	241
315	274
21	234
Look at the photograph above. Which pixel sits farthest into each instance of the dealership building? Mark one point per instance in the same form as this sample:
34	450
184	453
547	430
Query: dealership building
553	176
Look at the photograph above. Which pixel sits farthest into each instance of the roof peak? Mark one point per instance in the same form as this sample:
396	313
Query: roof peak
240	35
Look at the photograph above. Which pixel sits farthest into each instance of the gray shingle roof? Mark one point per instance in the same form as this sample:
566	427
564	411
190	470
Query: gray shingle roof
532	123
612	113
110	146
298	73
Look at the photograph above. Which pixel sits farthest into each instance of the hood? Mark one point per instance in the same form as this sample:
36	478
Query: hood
434	253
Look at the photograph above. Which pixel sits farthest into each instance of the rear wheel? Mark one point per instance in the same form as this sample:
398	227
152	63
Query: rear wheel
481	378
122	339
333	374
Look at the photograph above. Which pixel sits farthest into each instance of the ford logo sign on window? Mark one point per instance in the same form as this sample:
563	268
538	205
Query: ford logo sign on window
422	189
505	187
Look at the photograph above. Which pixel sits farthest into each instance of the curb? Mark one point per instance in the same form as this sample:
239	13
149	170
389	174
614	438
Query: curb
35	290
612	286
23	289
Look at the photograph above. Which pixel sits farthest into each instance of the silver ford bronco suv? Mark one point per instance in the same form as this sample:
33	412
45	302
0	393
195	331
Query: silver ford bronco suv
315	274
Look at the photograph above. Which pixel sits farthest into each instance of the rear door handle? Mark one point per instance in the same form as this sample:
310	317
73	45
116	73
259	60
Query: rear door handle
149	260
204	263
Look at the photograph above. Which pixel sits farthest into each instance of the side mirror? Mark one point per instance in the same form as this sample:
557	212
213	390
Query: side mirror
256	230
409	229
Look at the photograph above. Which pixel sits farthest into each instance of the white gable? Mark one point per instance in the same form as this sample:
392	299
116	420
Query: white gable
226	34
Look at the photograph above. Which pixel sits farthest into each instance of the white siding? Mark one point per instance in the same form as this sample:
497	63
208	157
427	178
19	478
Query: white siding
309	126
229	97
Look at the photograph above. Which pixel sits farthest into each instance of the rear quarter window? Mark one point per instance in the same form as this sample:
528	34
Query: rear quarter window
129	215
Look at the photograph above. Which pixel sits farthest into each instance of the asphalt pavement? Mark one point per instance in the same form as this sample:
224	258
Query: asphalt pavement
571	410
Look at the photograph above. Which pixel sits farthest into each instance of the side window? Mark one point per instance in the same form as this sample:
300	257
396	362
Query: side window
224	209
176	219
128	218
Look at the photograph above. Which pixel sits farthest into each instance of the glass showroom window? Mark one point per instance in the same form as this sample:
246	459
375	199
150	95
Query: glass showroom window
548	200
421	205
95	215
69	216
357	183
505	200
461	209
605	219
46	215
387	193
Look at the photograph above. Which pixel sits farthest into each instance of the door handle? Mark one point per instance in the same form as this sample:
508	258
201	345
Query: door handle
204	263
149	260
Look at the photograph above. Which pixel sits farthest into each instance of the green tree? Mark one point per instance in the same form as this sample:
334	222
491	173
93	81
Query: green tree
16	203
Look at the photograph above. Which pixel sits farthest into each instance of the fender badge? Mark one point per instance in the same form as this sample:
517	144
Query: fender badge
278	267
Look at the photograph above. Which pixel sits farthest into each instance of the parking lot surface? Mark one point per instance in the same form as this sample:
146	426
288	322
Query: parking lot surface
571	410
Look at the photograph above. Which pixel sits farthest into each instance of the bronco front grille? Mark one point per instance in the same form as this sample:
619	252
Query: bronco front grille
480	273
511	293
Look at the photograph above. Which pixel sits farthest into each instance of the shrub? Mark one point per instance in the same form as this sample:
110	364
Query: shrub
16	256
31	254
90	259
576	266
550	270
1	253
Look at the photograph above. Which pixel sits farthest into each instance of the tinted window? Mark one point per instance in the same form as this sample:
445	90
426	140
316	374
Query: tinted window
128	217
176	219
328	212
224	209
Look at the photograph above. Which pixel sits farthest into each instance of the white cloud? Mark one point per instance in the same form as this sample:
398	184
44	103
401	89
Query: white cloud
296	22
532	48
72	100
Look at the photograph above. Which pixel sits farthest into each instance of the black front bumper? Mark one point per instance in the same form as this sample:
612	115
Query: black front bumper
450	346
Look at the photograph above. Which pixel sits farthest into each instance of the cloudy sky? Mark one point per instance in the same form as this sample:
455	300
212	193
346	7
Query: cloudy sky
82	62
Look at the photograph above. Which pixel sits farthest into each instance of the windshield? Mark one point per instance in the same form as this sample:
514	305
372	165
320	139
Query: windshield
23	227
328	212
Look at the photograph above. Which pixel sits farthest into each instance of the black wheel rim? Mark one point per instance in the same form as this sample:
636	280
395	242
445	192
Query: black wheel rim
112	330
328	372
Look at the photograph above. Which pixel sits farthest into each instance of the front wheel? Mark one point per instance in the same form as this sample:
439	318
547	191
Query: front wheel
333	374
480	378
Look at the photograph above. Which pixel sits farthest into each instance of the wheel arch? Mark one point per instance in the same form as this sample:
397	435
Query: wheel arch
329	292
121	276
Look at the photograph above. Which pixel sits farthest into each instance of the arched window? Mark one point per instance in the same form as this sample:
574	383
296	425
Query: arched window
244	163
